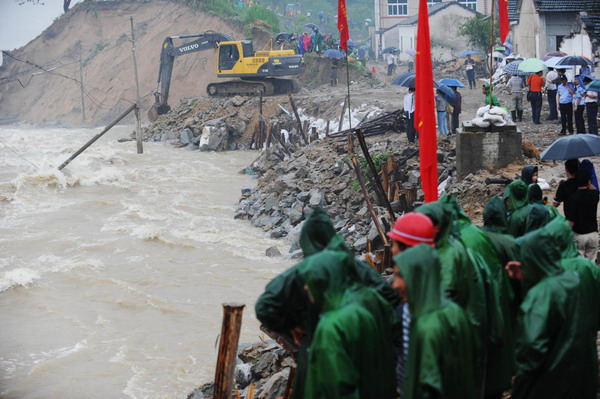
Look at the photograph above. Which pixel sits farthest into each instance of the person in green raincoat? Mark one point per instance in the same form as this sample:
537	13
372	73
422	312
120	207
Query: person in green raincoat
495	326
539	214
352	351
457	271
553	337
486	91
536	196
284	307
494	225
517	203
441	357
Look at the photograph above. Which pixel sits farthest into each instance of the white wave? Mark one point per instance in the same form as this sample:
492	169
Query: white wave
21	277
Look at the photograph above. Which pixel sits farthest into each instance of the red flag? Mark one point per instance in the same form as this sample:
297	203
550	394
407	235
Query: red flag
343	24
424	107
503	16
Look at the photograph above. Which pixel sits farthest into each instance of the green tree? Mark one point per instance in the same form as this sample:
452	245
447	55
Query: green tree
477	32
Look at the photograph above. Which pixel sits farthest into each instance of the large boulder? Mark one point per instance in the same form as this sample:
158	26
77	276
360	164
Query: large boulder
214	138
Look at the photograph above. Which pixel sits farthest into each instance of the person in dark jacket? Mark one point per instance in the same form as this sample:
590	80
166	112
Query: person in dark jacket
457	109
529	174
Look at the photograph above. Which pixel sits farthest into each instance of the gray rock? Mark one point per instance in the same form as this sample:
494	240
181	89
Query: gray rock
272	252
303	196
186	136
316	198
247	191
307	211
360	244
294	215
297	254
213	138
265	364
243	374
275	385
362	212
238	101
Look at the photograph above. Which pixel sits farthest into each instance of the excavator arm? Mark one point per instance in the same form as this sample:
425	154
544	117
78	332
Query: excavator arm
203	41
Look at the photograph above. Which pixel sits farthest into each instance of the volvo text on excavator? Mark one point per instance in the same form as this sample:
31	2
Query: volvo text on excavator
257	70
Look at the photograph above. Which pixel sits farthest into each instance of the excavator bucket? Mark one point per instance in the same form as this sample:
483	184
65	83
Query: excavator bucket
157	108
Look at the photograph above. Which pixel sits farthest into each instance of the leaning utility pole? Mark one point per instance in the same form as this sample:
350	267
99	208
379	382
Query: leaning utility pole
138	131
81	86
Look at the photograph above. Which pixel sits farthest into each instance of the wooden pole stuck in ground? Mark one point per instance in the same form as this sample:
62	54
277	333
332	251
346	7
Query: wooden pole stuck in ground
96	137
228	343
138	130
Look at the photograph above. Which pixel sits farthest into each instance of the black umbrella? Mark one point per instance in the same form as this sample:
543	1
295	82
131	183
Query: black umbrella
312	26
573	146
391	49
283	36
573	60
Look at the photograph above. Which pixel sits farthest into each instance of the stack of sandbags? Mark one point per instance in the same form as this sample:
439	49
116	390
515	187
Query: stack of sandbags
487	116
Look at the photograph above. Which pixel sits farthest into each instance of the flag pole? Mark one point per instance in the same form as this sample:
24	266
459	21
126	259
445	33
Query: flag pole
348	86
491	51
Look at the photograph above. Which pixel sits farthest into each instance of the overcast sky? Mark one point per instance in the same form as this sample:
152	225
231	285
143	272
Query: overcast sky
21	24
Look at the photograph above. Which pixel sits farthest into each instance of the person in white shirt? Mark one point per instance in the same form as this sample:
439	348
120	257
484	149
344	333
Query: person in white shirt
409	111
390	62
591	107
551	78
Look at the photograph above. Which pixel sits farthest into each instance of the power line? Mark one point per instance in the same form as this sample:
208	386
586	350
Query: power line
18	154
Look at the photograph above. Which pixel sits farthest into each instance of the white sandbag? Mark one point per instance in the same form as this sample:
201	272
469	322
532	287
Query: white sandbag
493	118
543	184
480	122
482	111
498	111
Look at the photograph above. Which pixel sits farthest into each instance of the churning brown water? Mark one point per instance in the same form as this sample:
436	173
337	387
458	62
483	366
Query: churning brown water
113	271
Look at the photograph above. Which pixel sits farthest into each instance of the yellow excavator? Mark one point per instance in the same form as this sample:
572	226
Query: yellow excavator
257	70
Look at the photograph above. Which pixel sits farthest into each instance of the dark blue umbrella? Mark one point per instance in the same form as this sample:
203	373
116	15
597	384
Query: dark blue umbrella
406	79
447	92
350	43
331	53
312	26
452	82
390	49
512	68
467	52
573	146
364	47
574	60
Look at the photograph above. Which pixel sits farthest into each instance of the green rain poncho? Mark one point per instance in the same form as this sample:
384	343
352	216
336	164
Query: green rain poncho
588	271
554	332
496	334
352	350
536	196
518	207
457	271
441	358
284	304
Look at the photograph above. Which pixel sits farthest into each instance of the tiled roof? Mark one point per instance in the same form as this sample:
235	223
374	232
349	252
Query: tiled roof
432	10
566	5
513	15
592	25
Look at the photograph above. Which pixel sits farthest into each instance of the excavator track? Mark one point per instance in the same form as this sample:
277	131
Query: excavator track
253	87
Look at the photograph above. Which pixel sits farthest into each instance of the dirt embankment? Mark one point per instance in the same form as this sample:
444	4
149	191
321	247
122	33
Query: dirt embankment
99	33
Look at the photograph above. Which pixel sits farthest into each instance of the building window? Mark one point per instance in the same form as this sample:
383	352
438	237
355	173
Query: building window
397	7
471	4
432	2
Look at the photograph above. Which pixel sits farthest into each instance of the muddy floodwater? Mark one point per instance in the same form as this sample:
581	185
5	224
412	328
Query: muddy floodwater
113	271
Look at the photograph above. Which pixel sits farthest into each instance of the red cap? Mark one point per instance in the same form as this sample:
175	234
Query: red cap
412	229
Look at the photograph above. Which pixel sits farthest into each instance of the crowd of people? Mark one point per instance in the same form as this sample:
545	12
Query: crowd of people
469	312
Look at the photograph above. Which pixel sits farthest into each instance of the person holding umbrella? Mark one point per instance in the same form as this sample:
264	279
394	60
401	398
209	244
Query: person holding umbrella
551	77
470	70
591	107
565	93
579	105
535	83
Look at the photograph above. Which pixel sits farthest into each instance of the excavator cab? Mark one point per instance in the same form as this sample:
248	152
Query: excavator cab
229	55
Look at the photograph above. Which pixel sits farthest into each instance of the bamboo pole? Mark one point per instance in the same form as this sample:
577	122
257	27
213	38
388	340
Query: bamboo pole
365	193
230	335
293	104
491	51
138	130
96	137
378	187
